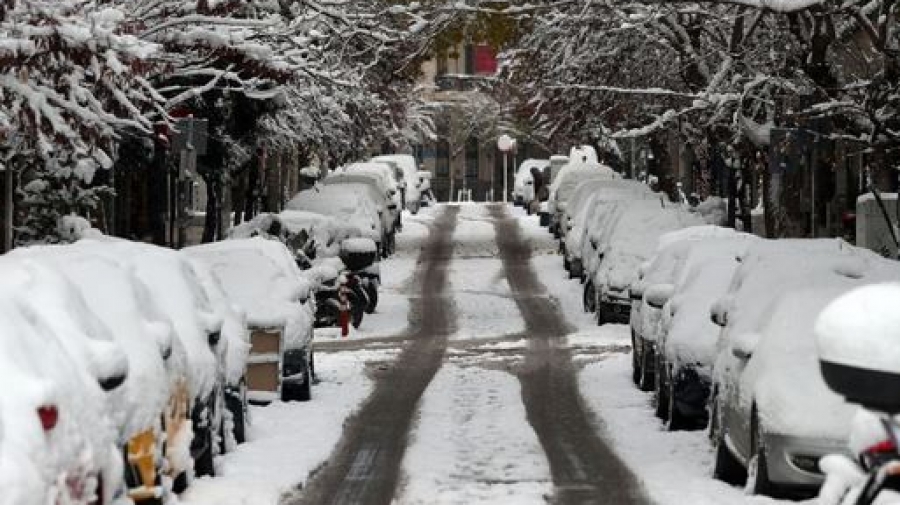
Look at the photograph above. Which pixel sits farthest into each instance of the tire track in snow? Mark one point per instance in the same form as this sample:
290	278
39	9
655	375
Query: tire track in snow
364	468
585	469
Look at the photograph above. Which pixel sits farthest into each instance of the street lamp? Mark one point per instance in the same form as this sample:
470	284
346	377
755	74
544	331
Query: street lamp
505	143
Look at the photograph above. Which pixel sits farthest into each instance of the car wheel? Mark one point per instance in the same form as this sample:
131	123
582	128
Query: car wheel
757	468
635	362
676	421
180	483
357	311
567	265
588	300
204	465
575	269
304	391
601	315
726	467
236	401
661	392
372	293
647	371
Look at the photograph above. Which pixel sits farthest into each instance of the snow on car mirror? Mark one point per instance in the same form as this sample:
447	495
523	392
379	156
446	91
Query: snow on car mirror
744	346
718	313
658	294
637	291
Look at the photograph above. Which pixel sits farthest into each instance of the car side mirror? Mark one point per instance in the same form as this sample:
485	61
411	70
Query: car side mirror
658	294
636	292
744	346
718	314
112	382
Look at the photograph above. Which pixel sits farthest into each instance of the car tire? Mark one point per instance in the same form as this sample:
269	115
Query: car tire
304	391
236	402
588	299
372	293
757	468
726	466
648	375
601	315
635	362
675	420
180	483
567	265
357	311
661	391
204	465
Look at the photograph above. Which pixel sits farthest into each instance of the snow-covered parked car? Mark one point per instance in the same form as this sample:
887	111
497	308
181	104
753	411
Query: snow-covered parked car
673	253
771	415
585	210
262	278
409	182
523	183
347	203
684	340
61	375
171	279
377	180
568	179
632	239
153	425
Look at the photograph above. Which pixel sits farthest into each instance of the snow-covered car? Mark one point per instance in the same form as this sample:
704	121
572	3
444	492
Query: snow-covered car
61	375
171	279
410	183
771	415
557	162
262	278
346	203
523	183
684	342
582	212
674	250
379	180
632	239
427	198
568	179
153	425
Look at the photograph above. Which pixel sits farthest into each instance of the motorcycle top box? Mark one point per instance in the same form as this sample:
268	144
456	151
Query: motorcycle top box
358	253
858	340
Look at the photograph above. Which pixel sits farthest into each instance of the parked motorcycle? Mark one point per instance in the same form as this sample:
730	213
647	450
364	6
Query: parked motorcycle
858	339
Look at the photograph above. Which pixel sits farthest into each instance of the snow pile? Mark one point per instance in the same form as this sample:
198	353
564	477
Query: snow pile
261	277
407	164
72	228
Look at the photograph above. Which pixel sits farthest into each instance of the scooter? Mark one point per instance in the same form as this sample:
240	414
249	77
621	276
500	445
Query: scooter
857	338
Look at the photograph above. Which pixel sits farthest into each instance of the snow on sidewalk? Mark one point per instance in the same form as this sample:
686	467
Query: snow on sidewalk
675	467
473	444
288	440
483	300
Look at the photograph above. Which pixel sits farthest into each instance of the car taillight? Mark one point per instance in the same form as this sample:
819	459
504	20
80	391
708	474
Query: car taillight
49	416
883	447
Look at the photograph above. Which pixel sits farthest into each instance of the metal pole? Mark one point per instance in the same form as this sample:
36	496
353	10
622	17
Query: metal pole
8	208
505	177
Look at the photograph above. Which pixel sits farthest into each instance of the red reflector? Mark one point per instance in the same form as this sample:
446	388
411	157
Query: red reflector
885	446
49	416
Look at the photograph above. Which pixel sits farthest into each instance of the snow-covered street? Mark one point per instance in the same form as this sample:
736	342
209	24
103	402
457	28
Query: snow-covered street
471	436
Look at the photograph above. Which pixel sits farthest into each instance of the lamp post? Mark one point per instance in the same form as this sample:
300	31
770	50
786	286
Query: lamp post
505	143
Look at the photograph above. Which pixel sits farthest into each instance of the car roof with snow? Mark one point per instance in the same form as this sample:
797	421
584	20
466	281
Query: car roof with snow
573	174
784	367
36	372
172	281
634	237
700	271
347	202
261	277
121	301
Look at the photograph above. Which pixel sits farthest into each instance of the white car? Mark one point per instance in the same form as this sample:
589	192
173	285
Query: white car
523	183
568	179
262	278
348	203
411	184
58	438
771	415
